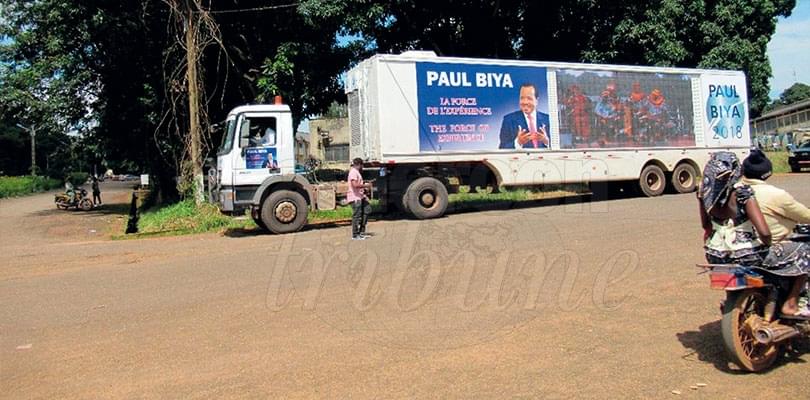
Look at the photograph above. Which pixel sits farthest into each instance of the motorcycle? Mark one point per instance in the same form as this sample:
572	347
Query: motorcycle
754	332
77	199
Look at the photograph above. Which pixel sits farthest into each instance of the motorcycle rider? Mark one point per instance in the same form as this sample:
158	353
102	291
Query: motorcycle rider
69	190
782	212
734	228
736	231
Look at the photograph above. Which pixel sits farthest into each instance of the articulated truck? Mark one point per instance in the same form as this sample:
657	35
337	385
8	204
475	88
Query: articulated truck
424	125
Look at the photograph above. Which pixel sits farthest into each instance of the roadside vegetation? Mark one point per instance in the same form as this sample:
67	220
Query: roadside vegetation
779	161
187	218
12	186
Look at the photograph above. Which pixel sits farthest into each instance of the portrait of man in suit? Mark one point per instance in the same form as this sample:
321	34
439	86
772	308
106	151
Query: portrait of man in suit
526	128
270	162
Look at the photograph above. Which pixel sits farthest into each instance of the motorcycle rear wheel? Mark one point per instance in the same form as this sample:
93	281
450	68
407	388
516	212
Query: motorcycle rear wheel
739	341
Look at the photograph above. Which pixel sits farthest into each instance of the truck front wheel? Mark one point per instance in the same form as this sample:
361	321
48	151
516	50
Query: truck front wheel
284	211
426	198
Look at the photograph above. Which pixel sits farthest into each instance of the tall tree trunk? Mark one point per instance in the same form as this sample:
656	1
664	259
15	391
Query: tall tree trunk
193	104
33	134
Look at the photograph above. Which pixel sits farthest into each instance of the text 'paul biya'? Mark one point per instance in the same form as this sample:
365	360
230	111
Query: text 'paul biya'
460	79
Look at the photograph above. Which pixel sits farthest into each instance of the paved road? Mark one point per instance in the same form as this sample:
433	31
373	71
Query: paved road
589	300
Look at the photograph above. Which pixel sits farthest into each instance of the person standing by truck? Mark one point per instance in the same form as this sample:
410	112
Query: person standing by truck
358	199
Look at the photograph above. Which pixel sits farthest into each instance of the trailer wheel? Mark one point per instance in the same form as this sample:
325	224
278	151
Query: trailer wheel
684	178
426	198
652	181
284	211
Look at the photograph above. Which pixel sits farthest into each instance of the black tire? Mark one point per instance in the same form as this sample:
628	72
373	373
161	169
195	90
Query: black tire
738	341
795	169
684	178
86	204
284	211
652	181
426	198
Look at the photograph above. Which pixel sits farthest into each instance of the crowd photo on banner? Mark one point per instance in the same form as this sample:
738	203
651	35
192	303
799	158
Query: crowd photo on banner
624	109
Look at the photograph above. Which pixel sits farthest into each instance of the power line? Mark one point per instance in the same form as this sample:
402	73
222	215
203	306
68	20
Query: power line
265	8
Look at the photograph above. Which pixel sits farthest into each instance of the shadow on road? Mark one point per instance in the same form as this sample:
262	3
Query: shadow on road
245	232
608	193
501	205
707	344
104	209
467	206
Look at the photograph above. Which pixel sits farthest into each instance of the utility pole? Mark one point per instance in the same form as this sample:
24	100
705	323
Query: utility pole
32	130
193	103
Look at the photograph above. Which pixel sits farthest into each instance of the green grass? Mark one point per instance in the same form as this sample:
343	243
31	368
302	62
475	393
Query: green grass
11	186
186	217
338	214
465	197
779	161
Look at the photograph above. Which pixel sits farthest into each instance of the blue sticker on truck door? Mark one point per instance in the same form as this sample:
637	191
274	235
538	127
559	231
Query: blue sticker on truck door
261	157
471	107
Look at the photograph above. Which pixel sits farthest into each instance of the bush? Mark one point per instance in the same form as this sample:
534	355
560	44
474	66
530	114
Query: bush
77	178
23	185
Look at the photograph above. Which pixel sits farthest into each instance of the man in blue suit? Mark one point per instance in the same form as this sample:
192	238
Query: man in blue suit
526	128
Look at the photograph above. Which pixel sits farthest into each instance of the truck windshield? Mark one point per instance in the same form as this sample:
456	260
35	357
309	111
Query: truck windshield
227	137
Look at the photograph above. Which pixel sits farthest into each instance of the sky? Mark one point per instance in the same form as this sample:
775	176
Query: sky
789	50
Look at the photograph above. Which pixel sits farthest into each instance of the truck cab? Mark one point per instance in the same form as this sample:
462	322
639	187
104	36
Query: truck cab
257	144
255	170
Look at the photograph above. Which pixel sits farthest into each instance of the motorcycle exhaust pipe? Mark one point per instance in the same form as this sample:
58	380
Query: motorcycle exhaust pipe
774	333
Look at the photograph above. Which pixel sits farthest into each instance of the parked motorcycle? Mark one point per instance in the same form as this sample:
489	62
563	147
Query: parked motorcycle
77	199
754	332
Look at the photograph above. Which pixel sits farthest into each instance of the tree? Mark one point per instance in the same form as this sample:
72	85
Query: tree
76	53
70	57
290	51
40	84
727	34
794	94
106	69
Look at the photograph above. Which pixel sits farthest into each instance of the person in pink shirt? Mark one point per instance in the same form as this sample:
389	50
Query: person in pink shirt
358	199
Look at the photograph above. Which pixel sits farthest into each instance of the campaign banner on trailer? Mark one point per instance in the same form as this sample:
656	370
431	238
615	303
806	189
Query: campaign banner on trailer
725	111
610	109
473	107
261	157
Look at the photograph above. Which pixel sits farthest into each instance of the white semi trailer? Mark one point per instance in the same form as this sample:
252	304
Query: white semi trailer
418	120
